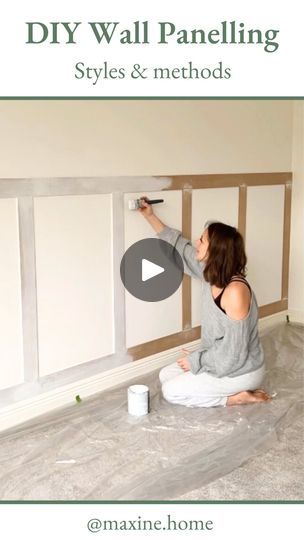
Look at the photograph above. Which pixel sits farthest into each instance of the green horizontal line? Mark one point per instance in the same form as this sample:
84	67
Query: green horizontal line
153	502
13	98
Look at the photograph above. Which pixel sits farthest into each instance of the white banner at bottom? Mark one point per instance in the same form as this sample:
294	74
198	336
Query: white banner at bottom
193	520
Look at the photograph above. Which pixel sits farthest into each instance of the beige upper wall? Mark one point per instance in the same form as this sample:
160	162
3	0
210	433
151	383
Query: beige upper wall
95	138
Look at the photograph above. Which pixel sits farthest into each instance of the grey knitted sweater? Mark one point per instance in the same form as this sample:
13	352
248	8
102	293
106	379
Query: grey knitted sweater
228	347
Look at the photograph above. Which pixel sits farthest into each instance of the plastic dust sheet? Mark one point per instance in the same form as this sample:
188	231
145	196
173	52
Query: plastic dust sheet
95	450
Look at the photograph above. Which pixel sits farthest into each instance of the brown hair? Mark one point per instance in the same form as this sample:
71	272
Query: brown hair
225	256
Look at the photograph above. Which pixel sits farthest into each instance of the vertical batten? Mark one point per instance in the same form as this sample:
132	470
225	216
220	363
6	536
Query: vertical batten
28	288
119	290
242	210
286	240
186	283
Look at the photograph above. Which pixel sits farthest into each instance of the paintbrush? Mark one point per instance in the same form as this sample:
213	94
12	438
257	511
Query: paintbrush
138	203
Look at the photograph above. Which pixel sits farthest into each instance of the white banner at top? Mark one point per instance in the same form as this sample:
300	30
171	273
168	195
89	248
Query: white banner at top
139	49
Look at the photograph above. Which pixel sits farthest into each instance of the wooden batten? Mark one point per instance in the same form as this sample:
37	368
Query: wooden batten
164	343
186	283
286	241
242	210
200	181
271	309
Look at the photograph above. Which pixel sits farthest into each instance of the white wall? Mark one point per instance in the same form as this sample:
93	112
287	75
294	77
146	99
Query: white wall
264	241
96	138
296	270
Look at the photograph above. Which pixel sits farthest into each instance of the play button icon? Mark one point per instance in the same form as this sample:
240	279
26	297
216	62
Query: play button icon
151	270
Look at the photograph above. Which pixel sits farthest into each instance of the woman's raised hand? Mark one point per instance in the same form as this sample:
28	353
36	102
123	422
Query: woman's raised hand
147	210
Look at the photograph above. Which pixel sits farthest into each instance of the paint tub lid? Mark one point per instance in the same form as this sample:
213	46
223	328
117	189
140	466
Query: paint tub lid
139	388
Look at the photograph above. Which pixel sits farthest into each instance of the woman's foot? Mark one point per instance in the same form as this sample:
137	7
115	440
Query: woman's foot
255	396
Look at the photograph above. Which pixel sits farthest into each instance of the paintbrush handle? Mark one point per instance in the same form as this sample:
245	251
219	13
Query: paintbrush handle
153	201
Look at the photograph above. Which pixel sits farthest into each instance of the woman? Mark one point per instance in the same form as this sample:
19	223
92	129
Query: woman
228	368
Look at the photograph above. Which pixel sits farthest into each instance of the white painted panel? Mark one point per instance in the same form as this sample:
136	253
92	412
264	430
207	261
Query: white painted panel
11	350
220	204
264	241
146	321
74	280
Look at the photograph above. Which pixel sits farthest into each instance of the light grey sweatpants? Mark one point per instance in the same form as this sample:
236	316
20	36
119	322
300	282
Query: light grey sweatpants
204	390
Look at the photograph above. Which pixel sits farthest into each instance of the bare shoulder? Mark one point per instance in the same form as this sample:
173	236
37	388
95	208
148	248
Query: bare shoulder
236	300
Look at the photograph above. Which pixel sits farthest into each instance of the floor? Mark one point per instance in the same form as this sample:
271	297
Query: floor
276	474
94	450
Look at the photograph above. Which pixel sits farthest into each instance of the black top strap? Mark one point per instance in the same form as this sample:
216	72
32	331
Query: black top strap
241	279
217	300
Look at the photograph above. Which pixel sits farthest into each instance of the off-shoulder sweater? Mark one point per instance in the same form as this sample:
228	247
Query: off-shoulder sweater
229	347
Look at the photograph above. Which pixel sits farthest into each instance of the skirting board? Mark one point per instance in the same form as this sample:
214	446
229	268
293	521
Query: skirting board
296	315
271	320
28	409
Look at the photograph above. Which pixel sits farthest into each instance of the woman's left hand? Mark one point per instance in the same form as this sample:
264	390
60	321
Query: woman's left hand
184	362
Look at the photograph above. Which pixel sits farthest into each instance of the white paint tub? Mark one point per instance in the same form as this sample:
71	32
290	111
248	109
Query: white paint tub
138	400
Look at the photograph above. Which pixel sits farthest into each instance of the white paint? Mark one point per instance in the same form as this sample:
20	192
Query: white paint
74	280
11	348
138	400
264	241
52	187
146	321
134	205
296	270
220	204
28	288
